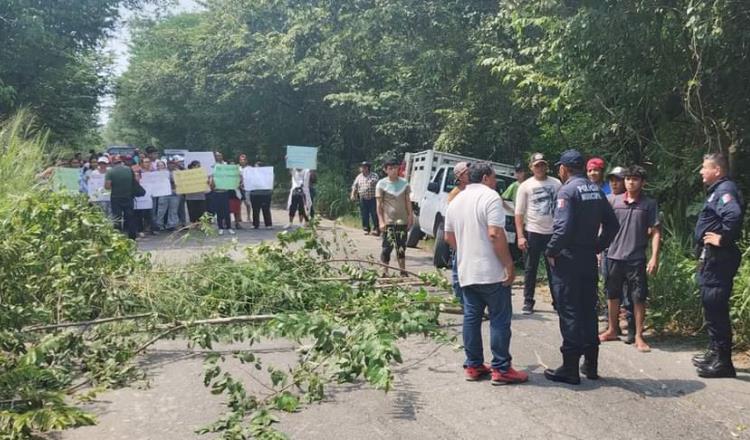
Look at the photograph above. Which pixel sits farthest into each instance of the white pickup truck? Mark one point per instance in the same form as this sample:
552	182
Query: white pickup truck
430	175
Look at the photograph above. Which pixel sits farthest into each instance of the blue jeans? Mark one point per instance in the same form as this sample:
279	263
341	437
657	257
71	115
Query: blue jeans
496	297
167	207
221	205
454	280
368	210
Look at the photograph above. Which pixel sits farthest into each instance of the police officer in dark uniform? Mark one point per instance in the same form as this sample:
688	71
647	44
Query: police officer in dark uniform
584	225
716	233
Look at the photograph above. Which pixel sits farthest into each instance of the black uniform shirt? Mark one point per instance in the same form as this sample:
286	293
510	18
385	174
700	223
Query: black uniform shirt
581	210
721	213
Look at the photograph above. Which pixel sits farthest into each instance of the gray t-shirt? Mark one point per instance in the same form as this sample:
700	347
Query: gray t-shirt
394	196
535	201
636	218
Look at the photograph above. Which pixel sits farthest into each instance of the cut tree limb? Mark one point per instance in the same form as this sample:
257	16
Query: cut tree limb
38	328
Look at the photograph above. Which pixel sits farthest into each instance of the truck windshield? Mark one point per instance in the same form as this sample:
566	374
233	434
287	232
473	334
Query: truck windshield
450	181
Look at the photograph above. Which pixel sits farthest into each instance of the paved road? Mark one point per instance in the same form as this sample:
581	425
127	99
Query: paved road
641	396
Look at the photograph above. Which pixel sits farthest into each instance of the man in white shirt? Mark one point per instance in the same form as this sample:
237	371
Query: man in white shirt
474	227
535	201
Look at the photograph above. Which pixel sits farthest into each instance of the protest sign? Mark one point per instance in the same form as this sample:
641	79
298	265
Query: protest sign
170	153
226	177
257	178
191	181
66	179
95	185
156	183
144	202
206	158
301	157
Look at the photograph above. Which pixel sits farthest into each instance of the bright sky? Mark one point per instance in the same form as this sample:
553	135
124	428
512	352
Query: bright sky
118	46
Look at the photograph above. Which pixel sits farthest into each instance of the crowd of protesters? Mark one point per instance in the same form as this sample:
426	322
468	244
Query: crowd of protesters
587	223
138	214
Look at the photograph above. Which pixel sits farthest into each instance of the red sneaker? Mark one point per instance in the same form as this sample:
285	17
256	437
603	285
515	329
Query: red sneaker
476	373
510	376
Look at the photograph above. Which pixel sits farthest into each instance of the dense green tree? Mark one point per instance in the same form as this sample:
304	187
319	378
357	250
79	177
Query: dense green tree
656	82
50	62
649	81
355	77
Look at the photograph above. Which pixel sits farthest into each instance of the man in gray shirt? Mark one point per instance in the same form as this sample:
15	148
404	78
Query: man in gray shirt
534	215
639	223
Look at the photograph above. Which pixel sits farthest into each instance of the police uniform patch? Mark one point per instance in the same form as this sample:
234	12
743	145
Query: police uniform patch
560	203
726	198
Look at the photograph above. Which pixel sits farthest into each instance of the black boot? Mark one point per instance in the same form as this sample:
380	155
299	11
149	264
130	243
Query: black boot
720	366
590	367
567	373
704	358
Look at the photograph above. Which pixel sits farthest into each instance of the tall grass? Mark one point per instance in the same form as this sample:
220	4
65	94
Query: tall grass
674	295
740	311
332	199
22	148
674	299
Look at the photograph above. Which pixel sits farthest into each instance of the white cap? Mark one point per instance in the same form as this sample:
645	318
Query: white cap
102	159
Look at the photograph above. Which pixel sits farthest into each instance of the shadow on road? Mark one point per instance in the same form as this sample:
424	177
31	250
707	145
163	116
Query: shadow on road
159	358
653	388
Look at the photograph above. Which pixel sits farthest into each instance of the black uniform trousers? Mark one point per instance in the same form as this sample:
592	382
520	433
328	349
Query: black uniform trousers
574	278
716	279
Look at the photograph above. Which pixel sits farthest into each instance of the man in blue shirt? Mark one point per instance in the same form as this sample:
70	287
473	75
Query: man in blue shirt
584	225
716	233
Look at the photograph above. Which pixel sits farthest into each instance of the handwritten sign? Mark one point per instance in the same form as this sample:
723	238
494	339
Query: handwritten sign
156	183
226	176
144	202
301	157
206	158
66	179
257	178
191	181
97	193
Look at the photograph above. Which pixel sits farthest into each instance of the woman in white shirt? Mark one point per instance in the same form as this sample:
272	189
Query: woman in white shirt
299	196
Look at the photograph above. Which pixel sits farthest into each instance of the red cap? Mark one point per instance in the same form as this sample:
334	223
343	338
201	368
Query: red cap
595	162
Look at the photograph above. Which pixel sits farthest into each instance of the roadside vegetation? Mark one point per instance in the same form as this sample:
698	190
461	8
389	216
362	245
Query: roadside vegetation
634	81
79	305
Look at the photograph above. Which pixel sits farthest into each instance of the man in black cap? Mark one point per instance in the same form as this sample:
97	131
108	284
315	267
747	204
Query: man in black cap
716	233
584	225
521	173
364	189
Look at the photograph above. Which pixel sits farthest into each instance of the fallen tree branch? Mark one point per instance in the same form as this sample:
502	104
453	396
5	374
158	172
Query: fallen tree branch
404	284
381	279
179	325
374	263
37	328
219	321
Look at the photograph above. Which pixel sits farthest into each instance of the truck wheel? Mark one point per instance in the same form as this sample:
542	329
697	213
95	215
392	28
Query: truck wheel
415	234
442	257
